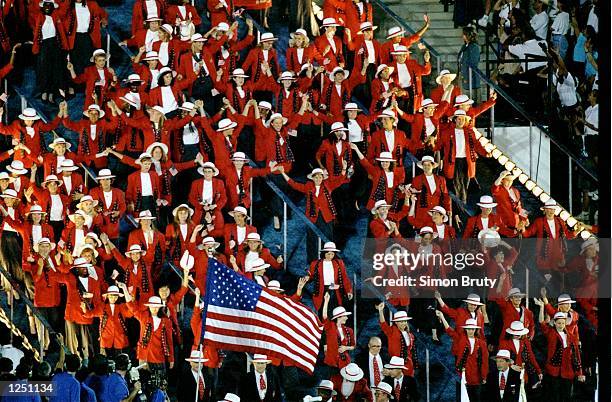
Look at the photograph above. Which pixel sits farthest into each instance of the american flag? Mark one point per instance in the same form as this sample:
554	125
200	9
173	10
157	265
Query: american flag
241	315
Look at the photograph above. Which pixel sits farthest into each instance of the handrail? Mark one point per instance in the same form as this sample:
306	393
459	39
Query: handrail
535	122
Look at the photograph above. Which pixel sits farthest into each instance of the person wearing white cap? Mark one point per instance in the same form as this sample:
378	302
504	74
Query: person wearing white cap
72	183
516	340
439	222
32	229
400	341
299	50
383	392
235	234
85	35
60	150
337	91
262	381
184	13
326	391
112	202
425	124
395	37
408	76
382	87
261	62
461	150
229	397
17	177
430	190
504	380
564	305
238	177
96	76
388	138
330	277
471	354
207	194
340	339
499	263
403	385
563	358
473	309
329	45
48	196
351	385
383	225
194	383
252	248
486	219
178	232
509	206
445	90
512	309
143	189
320	207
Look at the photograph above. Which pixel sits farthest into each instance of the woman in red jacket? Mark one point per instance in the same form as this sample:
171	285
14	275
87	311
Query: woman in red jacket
99	79
238	180
111	203
83	22
252	248
400	341
424	126
32	229
339	338
262	63
337	90
178	232
235	234
499	261
471	355
382	88
208	193
509	207
51	201
383	224
143	190
300	51
515	340
50	44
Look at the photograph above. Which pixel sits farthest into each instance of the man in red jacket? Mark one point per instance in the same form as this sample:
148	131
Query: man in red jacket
400	342
509	207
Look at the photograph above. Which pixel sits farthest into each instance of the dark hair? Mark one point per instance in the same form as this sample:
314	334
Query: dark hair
22	371
122	362
73	363
6	365
471	34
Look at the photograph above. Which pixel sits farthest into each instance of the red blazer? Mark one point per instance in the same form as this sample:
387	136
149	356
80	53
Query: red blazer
185	66
110	224
416	71
50	162
173	14
264	254
139	283
113	329
475	363
495	270
129	138
42	197
315	272
510	314
218	15
396	345
90	76
173	302
214	361
140	14
34	142
156	99
436	94
154	346
97	16
69	235
273	144
426	200
156	251
219	196
175	243
361	391
418	134
173	50
328	154
472	150
354	17
561	362
380	186
477	110
379	144
323	203
379	229
60	33
335	103
87	146
231	233
46	285
239	189
377	88
460	315
508	210
387	47
295	62
332	340
571	323
78	185
25	231
474	225
254	60
221	148
74	297
133	194
361	52
331	59
524	355
550	252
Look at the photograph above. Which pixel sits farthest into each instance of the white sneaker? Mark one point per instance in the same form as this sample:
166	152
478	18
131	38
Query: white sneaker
483	21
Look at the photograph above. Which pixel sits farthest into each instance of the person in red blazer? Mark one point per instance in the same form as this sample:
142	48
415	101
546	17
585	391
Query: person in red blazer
220	11
485	220
51	201
461	149
111	203
439	223
351	373
586	265
81	40
463	102
60	151
551	234
383	224
389	139
168	48
395	38
151	241
224	140
400	341
337	91
252	249
18	180
238	179
473	309
445	86
28	129
207	193
33	221
155	343
178	232
300	51
509	207
83	294
564	305
365	47
138	197
563	361
202	251
183	13
335	151
515	340
339	337
512	309
197	63
92	77
72	183
141	13
430	190
499	261
424	126
167	96
407	74
320	208
329	46
339	284
113	327
357	12
136	267
172	300
261	62
471	354
235	234
228	46
382	88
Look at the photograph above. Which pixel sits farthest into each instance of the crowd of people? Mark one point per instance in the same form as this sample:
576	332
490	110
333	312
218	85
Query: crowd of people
116	265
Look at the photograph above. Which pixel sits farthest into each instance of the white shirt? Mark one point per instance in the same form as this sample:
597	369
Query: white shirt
551	226
440	229
371	52
6	226
429	126
389	176
390	138
112	308
150	37
241	232
30	131
459	143
147	187
67	183
371	359
197	375
403	75
593	20
355	133
48	28
517	345
79	238
57	208
163	54
156	322
265	54
561	24
84	282
431	181
563	338
300	53
36	233
262	392
338	89
328	273
539	23
529	47
207	191
154	77
190	135
339	147
332	43
93	130
83	17
347	388
472	341
168	99
512	194
485	223
317	190
591	116
183	228
108	198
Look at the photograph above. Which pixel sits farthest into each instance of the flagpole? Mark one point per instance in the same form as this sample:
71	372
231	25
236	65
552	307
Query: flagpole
354	305
199	374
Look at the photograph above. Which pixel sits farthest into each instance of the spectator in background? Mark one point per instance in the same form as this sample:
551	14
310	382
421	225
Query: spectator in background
567	91
591	126
466	11
579	55
559	29
7	350
539	21
590	50
469	57
593	18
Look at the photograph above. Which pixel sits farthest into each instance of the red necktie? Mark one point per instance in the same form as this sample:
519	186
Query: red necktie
376	372
398	389
262	383
502	382
200	388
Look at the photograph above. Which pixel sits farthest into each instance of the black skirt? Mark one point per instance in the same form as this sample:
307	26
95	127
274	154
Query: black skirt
51	67
81	52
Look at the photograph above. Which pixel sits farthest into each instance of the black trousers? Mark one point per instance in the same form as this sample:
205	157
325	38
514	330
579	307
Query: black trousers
474	392
461	180
558	389
312	240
